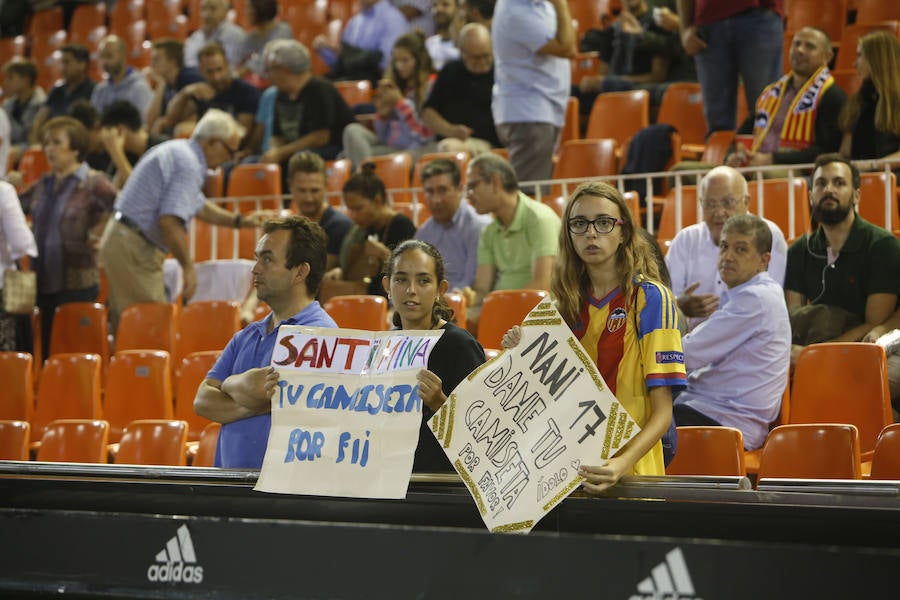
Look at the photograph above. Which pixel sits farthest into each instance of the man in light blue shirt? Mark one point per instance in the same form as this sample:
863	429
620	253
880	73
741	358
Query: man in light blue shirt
375	27
738	359
533	41
454	227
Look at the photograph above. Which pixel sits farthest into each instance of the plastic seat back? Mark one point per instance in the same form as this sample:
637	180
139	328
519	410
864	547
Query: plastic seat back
153	442
830	17
571	121
123	14
17	388
843	382
33	162
583	159
777	201
207	325
501	310
395	170
138	386
85	20
811	451
708	451
148	326
877	192
69	389
874	11
258	186
74	440
457	302
619	115
355	92
850	39
717	145
206	449
886	458
682	107
337	172
194	369
45	21
668	226
14	439
80	327
359	311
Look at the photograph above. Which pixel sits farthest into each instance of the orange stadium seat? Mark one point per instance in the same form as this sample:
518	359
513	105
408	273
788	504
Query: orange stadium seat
12	47
206	326
206	448
811	451
849	41
457	302
708	451
148	326
886	459
584	159
17	390
33	165
138	386
682	107
501	309
337	172
45	21
619	115
193	370
153	442
74	440
690	214
69	389
86	20
571	127
588	14
80	327
877	192
123	14
258	186
359	311
355	92
15	437
831	17
776	204
395	171
584	63
874	11
717	145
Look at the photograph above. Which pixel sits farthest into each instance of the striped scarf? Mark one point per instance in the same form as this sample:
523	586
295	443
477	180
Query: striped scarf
798	131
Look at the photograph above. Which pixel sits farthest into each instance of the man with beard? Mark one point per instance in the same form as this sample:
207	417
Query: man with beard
693	256
842	281
124	82
442	45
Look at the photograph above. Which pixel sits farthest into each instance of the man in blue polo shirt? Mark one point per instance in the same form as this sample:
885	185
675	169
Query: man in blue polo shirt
237	392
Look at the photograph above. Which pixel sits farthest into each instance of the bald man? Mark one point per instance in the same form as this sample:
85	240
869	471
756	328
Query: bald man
124	82
459	107
692	257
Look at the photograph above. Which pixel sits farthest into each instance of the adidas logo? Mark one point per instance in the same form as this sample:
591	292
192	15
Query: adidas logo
669	580
176	563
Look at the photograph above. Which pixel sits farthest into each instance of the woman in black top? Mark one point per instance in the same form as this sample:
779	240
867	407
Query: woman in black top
416	285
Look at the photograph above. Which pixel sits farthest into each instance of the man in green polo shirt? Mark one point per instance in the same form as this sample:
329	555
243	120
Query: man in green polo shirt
848	266
517	249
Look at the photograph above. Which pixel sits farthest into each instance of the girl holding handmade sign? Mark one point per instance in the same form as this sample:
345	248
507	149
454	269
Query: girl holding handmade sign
415	283
606	283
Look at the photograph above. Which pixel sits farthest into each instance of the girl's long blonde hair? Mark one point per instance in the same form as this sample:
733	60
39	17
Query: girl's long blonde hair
570	284
882	51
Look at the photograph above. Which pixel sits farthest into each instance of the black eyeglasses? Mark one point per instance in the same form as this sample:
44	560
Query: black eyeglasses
602	224
231	151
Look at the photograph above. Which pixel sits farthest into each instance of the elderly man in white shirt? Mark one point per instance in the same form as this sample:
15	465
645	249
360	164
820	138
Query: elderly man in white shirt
738	359
693	254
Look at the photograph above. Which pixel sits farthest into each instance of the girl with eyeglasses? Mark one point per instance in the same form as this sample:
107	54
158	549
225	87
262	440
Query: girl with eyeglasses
608	288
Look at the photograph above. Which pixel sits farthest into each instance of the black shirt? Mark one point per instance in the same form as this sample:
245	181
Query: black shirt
318	106
464	98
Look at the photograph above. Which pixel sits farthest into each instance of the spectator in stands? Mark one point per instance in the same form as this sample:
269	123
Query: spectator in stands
843	280
693	254
75	85
807	93
219	89
154	210
479	11
169	76
516	251
5	146
85	113
125	139
22	101
738	360
308	182
366	42
454	227
215	27
645	55
608	291
871	119
532	44
265	27
416	285
417	13
398	123
459	107
69	207
290	261
16	241
123	82
309	114
442	45
376	231
732	40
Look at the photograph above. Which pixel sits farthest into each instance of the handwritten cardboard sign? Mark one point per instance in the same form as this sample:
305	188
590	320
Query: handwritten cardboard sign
519	426
346	413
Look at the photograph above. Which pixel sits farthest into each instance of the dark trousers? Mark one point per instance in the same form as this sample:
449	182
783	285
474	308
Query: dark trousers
48	303
684	415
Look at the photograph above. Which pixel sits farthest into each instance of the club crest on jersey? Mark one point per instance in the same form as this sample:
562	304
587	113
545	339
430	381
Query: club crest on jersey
616	320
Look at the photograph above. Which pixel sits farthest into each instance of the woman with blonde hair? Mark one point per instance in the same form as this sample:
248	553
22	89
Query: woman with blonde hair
871	118
607	286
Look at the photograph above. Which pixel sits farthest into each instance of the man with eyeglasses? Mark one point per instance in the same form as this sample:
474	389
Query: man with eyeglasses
693	253
517	249
459	107
154	209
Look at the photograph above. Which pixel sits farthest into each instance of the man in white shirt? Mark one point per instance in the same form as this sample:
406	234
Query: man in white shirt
442	45
737	360
692	256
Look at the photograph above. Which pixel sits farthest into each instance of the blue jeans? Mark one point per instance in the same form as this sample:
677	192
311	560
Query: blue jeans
748	46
